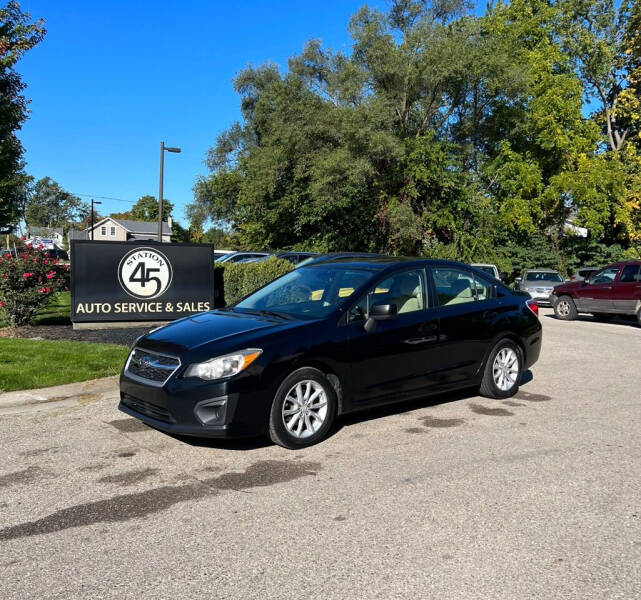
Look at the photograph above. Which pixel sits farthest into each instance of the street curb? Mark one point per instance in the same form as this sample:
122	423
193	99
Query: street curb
59	392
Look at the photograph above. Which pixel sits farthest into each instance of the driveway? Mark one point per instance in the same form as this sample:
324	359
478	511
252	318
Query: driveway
452	497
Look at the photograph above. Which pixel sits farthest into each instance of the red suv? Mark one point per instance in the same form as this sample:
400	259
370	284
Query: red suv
614	290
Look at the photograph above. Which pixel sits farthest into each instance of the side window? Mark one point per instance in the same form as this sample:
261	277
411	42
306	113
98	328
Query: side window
454	286
113	231
103	230
605	276
406	290
484	289
630	274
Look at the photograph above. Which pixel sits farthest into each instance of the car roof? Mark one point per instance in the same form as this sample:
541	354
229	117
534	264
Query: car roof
382	263
541	270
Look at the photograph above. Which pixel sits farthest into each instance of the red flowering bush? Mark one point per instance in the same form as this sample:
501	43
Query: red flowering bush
26	284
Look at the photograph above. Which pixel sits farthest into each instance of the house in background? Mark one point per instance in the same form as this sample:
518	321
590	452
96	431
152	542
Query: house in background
49	237
123	230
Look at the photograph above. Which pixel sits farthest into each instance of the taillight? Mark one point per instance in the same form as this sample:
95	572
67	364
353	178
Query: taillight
533	306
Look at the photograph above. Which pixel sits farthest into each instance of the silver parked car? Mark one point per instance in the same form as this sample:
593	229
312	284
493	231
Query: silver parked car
539	283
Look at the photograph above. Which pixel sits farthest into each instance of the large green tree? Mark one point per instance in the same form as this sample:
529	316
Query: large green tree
49	205
18	34
146	209
439	132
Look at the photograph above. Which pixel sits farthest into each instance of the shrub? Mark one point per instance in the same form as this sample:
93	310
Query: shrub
241	279
26	284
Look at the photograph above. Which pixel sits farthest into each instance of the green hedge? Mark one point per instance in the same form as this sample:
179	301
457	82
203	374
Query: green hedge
233	281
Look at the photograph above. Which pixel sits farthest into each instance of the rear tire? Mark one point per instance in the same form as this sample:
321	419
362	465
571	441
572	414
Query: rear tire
503	371
639	317
602	317
565	309
303	409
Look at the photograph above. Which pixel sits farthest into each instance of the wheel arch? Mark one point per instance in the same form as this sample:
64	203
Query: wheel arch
326	369
504	335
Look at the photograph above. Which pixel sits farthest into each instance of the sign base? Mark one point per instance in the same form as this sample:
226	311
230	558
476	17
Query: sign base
118	325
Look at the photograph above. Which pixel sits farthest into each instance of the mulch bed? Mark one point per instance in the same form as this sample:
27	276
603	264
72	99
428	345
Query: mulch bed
124	336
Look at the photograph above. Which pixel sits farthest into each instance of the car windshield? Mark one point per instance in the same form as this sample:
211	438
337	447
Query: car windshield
543	276
309	293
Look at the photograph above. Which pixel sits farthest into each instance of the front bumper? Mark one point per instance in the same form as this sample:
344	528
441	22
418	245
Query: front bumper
540	297
226	409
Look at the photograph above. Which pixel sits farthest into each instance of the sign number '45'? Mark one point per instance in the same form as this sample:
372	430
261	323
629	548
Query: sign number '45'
143	275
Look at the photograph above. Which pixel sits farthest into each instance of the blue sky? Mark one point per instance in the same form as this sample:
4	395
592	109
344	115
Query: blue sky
113	79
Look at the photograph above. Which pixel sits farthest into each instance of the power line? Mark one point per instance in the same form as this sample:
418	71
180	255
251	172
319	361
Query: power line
105	198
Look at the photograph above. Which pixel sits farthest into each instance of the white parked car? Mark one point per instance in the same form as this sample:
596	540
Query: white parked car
489	269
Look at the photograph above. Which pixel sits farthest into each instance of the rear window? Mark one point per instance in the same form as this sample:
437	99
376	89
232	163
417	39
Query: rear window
630	274
488	270
542	276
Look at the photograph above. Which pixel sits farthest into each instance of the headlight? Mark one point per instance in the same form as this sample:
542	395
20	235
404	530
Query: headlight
224	366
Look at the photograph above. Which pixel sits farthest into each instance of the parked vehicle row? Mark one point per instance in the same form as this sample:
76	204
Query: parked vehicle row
337	335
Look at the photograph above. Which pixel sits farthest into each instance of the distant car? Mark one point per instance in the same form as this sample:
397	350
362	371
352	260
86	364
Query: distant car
321	258
218	254
539	283
295	257
8	253
584	273
488	268
614	290
57	253
241	257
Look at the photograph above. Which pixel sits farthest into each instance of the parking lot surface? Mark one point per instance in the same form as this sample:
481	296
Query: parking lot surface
454	496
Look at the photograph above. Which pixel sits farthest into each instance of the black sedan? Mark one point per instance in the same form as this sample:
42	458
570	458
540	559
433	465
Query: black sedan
328	339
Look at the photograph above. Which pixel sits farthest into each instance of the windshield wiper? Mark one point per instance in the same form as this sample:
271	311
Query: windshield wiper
269	313
273	313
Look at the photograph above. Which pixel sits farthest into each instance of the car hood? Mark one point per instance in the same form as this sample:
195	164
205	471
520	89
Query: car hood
540	284
219	327
567	287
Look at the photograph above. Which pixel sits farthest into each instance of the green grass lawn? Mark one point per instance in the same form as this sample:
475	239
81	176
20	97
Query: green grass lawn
27	364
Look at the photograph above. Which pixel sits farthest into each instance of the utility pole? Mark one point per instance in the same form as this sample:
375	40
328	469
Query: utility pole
160	184
91	217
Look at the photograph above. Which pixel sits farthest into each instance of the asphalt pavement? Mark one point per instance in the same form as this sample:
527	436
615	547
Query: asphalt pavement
451	497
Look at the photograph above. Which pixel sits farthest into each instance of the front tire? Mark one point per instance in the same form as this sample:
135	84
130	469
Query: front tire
503	371
303	409
639	317
565	309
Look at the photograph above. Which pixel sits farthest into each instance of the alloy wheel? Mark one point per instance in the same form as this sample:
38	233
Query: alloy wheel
563	308
305	408
505	369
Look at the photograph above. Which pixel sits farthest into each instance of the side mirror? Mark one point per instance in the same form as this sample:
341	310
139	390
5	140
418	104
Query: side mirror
383	312
586	279
379	312
518	280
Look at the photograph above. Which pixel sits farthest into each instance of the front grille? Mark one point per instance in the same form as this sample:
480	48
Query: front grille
157	368
146	408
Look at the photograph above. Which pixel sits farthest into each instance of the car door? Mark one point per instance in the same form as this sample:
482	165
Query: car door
469	307
595	295
400	357
626	290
